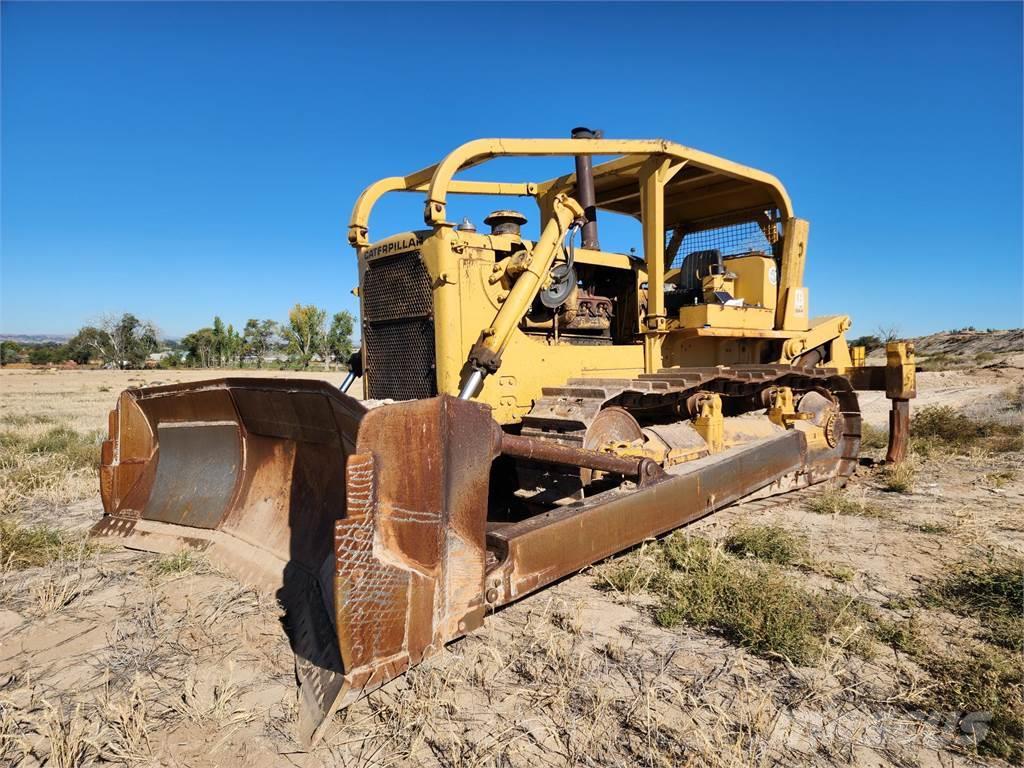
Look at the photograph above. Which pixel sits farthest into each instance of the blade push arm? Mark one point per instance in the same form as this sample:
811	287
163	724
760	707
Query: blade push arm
485	355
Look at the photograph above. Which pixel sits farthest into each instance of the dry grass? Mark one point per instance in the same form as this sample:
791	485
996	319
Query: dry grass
55	467
556	679
178	563
73	738
777	545
211	702
942	361
977	679
14	742
23	546
55	592
899	478
58	569
127	719
974	682
1015	397
980	676
872	437
932	528
999	478
741	592
840	501
902	635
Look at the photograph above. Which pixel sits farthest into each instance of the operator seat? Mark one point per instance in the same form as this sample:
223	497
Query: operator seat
690	288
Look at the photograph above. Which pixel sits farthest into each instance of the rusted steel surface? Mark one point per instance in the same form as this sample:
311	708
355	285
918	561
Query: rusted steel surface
261	460
534	449
210	454
252	471
410	554
585	189
899	431
544	548
257	460
867	378
197	473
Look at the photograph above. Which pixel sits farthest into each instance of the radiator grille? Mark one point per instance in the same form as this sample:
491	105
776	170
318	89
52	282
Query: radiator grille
398	329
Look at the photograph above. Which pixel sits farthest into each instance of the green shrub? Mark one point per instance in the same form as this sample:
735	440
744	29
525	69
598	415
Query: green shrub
180	562
836	501
873	437
982	679
81	450
23	546
755	605
991	592
954	431
942	361
770	543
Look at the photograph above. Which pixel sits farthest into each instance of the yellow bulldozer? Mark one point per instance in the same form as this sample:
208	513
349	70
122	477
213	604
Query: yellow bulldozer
532	406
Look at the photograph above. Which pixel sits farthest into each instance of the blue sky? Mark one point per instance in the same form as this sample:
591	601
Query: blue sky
182	160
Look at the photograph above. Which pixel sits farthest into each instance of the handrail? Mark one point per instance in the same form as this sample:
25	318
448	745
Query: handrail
358	228
441	183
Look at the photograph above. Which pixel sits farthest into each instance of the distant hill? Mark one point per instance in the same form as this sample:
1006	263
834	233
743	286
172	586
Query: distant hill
36	338
971	342
57	338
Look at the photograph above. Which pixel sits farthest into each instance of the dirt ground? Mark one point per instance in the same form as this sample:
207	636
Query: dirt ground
131	658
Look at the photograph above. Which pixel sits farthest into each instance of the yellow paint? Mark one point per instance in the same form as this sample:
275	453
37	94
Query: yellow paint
720	316
900	371
756	281
710	424
792	310
483	284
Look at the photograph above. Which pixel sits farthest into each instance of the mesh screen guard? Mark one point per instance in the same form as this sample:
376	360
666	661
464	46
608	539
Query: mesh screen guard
758	234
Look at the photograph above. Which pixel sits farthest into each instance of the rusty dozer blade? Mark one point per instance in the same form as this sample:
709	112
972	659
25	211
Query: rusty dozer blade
252	473
251	470
380	526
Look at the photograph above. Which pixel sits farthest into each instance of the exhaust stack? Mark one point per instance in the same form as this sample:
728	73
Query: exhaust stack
585	189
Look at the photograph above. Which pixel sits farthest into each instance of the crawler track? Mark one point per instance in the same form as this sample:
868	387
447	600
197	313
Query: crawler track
565	412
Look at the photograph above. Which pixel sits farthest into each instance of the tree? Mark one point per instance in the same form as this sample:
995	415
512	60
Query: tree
890	333
10	352
49	352
869	343
232	344
339	337
88	343
305	332
218	340
199	347
135	339
124	341
257	338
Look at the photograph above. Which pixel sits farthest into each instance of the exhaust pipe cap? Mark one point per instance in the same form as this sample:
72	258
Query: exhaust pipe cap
580	132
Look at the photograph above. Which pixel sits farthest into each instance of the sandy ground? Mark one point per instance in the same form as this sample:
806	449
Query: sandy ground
82	398
114	657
